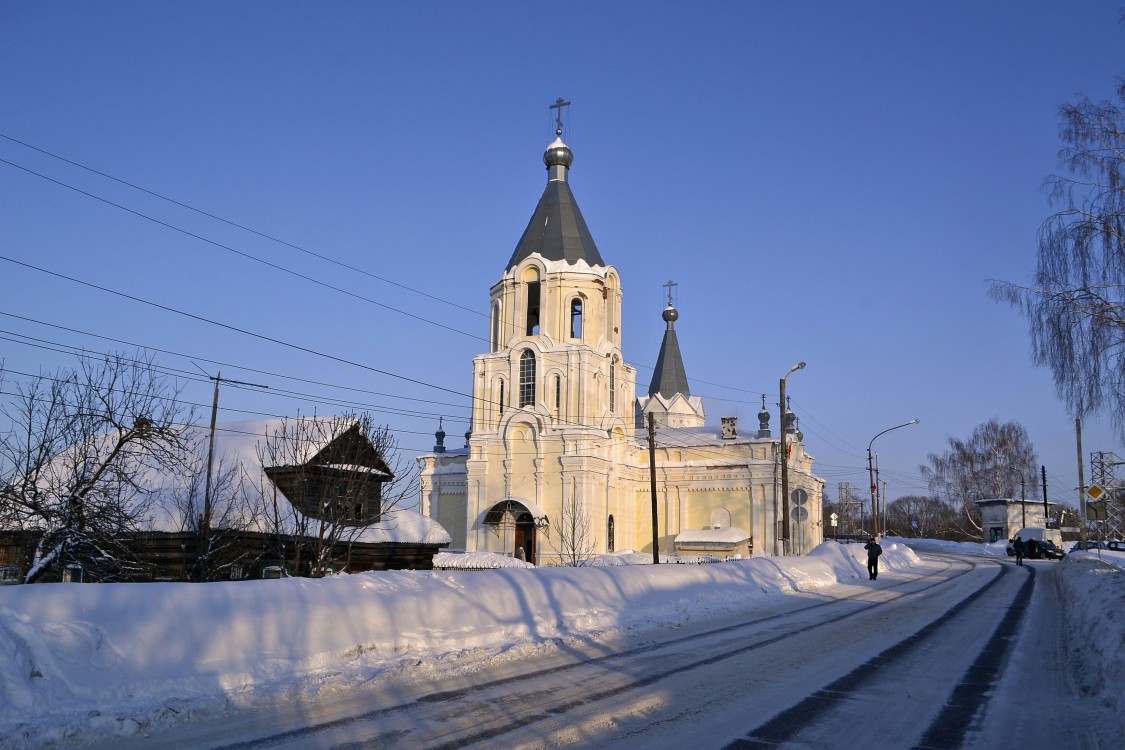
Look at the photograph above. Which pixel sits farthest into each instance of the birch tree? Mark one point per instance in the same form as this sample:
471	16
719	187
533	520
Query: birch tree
1075	305
990	464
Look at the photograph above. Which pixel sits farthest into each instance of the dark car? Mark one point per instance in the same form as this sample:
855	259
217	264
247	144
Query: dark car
1049	551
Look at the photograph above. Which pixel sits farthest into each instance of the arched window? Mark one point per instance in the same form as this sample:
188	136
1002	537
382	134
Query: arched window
527	378
576	318
612	383
558	396
609	535
495	326
500	401
531	277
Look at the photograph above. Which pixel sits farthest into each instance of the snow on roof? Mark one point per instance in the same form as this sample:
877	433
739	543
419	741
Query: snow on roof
405	526
476	561
730	535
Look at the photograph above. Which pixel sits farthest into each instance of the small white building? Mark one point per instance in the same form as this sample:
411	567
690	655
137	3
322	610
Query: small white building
1002	517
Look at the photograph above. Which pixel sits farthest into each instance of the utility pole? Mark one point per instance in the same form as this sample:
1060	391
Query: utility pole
785	462
203	552
652	488
1044	470
1081	484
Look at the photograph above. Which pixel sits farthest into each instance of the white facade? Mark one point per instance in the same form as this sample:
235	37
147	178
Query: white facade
556	443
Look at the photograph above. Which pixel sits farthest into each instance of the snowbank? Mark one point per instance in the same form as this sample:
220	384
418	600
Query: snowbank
1093	592
80	661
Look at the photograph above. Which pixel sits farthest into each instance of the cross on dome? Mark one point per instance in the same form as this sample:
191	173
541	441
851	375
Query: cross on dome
559	104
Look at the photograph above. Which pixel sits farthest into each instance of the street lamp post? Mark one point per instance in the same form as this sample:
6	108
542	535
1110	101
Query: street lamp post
785	464
1023	502
871	474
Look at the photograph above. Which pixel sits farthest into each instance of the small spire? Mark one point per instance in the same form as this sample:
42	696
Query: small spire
439	447
763	420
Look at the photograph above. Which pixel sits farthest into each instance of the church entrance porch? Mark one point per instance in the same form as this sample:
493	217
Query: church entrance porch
515	527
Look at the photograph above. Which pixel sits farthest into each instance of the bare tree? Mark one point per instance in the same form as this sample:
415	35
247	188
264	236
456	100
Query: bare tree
575	534
988	465
231	509
78	464
917	516
1076	305
338	476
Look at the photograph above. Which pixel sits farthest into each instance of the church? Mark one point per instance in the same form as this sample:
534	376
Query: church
558	464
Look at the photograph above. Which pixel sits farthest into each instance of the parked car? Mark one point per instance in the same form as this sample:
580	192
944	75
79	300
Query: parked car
1081	546
1116	545
1048	550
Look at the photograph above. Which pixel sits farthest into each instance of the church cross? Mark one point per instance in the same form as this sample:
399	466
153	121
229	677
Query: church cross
559	104
670	286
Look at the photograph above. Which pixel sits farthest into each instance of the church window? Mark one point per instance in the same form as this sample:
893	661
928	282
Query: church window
495	326
609	535
558	395
612	383
533	307
527	378
501	400
576	318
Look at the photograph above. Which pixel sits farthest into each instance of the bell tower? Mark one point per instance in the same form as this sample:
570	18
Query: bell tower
554	400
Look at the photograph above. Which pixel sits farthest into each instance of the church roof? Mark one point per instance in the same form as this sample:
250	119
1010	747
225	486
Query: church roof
669	377
557	230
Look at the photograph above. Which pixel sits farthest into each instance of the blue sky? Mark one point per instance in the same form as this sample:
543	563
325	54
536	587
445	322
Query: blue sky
827	182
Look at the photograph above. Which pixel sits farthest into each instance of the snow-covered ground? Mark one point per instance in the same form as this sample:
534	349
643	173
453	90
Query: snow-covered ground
83	661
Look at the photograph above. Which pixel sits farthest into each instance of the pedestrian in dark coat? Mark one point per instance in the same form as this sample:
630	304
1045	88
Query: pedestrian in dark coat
1020	549
873	552
1033	549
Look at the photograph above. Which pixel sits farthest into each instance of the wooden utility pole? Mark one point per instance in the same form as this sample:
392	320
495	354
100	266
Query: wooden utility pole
1081	484
652	488
203	530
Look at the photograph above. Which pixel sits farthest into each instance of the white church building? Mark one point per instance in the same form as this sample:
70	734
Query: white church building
559	438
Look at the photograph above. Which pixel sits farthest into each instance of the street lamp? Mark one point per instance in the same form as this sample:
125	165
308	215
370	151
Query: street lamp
1023	502
871	474
785	464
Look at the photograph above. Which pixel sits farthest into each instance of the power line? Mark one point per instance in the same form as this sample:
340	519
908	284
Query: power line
244	254
243	227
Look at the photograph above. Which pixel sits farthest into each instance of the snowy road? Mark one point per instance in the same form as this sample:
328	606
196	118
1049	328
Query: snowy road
911	660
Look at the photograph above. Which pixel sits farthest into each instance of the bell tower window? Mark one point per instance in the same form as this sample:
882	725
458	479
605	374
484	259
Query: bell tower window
576	318
533	307
527	378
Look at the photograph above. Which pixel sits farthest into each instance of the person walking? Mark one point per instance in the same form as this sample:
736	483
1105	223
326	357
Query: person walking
1020	549
873	552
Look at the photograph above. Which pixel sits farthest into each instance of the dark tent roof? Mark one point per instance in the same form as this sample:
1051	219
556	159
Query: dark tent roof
669	377
557	230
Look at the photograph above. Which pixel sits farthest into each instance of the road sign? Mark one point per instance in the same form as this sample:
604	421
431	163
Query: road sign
1095	491
799	496
834	518
799	514
1095	510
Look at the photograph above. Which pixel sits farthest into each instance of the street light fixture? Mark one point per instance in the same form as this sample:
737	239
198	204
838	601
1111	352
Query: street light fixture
871	474
785	464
